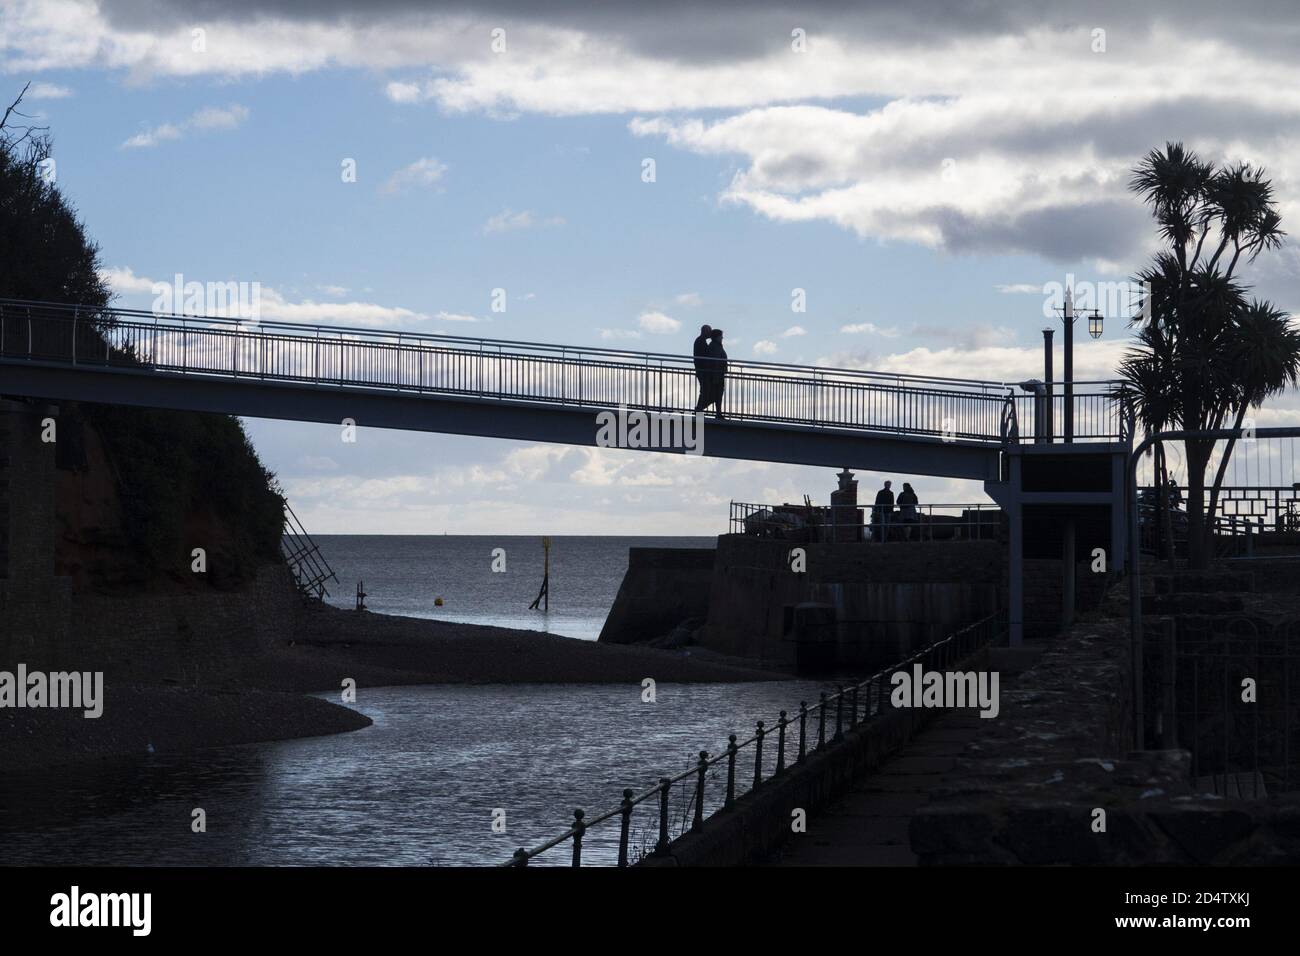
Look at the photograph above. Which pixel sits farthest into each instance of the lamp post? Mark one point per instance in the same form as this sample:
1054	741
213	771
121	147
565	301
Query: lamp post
1094	329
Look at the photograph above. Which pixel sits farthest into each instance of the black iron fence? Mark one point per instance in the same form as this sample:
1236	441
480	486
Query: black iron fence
744	766
1225	694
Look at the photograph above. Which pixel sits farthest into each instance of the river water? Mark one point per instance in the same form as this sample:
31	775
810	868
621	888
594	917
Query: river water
420	787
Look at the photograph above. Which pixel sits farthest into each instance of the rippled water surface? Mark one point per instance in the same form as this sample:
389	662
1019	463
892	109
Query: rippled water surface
419	787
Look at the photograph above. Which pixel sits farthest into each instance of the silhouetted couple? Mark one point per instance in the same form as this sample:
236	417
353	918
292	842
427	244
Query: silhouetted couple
882	512
710	368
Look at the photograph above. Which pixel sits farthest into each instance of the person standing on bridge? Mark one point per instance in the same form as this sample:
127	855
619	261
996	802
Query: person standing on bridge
702	365
882	511
717	371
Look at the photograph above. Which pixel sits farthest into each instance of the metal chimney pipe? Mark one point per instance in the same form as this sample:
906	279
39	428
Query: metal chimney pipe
1047	385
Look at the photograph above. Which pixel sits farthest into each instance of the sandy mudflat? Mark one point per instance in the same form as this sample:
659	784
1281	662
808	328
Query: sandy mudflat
263	698
377	649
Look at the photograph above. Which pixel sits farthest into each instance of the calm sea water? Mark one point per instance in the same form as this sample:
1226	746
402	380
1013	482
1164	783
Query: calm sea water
421	785
405	574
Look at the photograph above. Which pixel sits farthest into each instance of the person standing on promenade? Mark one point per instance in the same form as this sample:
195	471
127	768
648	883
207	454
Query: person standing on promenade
882	511
907	510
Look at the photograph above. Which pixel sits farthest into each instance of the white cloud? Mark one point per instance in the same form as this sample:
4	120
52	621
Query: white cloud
764	347
658	324
508	221
690	299
456	317
614	334
422	173
793	331
869	328
274	306
207	119
1020	288
48	91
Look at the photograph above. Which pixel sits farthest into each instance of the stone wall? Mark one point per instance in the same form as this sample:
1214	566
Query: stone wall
887	599
1028	791
662	589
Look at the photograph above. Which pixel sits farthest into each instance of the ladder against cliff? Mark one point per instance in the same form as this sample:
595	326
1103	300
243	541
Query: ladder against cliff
303	556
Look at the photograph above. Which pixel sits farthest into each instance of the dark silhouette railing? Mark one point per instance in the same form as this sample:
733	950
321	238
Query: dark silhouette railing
815	729
933	522
914	405
310	570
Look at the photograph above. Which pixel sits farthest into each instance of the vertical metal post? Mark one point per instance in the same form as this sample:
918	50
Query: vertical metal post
625	827
731	772
821	722
1068	371
661	847
758	756
803	729
579	828
780	742
521	857
839	714
698	823
1048	426
853	711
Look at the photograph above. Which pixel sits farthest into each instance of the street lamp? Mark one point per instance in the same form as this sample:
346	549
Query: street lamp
1094	324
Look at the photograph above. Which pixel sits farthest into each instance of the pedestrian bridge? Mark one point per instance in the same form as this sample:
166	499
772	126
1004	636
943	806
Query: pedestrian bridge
903	424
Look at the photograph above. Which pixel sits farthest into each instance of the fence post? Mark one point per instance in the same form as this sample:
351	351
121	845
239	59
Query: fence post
698	824
579	828
521	857
803	728
662	846
731	772
839	714
821	722
853	714
780	742
625	826
758	756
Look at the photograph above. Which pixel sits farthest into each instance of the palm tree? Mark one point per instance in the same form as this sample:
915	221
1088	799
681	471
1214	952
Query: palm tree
1204	355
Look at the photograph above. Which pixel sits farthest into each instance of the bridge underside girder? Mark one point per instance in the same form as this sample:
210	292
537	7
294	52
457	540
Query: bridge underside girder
490	418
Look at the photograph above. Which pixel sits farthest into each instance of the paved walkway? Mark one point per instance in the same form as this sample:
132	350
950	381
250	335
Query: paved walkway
868	827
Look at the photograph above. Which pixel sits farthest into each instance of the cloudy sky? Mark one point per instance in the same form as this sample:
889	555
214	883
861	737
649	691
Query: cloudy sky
924	170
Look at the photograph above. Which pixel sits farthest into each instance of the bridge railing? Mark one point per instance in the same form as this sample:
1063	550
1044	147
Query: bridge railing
932	522
811	730
951	409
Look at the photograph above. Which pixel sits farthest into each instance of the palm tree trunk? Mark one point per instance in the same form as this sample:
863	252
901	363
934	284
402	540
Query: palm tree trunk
1198	534
1223	465
1165	528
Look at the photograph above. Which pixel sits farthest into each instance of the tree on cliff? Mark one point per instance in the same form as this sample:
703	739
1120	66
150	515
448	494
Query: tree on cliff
1205	354
172	469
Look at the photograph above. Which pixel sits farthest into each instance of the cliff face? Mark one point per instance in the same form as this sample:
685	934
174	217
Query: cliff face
76	590
123	523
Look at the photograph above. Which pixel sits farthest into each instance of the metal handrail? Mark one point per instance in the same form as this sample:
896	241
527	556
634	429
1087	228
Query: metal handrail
825	517
954	647
955	409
